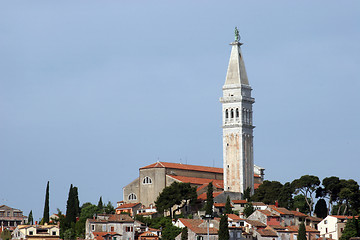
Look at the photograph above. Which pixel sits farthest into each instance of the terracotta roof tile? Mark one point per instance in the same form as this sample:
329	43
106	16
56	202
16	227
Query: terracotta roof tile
183	166
199	181
268	213
255	223
280	210
298	214
194	225
234	217
296	229
267	232
239	201
203	195
128	205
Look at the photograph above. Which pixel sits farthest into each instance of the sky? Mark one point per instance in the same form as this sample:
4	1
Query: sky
90	91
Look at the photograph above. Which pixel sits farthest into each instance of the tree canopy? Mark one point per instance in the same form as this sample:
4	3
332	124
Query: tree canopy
209	200
307	185
176	194
223	232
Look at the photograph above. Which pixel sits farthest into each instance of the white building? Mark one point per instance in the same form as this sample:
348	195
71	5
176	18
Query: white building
332	226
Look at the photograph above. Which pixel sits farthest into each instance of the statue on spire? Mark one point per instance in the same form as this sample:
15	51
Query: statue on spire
237	35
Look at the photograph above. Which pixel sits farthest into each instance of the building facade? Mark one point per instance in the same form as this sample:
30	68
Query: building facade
11	217
238	156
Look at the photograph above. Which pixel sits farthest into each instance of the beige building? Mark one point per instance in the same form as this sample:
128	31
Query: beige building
155	177
36	232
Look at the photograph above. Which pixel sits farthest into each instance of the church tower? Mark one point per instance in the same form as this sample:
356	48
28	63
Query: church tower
237	124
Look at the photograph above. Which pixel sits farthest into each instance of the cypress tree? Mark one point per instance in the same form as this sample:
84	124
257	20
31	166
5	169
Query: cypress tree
321	209
46	216
223	232
30	219
209	200
100	205
228	208
302	232
76	202
70	208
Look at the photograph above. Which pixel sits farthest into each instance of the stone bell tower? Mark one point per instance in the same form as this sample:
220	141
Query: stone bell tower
237	124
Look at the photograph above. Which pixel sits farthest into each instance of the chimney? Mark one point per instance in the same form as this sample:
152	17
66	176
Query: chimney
276	203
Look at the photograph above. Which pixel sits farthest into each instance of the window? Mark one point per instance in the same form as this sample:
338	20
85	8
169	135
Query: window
237	113
112	229
325	222
104	227
147	180
132	196
226	114
295	236
92	227
31	233
232	113
128	229
54	233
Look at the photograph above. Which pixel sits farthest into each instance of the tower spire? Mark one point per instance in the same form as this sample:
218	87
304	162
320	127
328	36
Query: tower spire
237	126
236	73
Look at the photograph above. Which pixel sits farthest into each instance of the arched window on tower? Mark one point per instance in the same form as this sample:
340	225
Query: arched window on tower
132	196
232	113
237	113
147	180
226	114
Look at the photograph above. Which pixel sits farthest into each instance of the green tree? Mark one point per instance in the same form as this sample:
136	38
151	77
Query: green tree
321	210
307	185
6	234
170	231
109	208
247	194
302	232
301	204
46	216
228	208
30	219
184	234
352	229
62	224
100	204
88	210
209	200
268	192
223	232
248	209
72	212
179	194
285	196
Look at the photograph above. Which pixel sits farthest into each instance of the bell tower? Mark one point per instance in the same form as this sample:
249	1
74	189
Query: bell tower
238	157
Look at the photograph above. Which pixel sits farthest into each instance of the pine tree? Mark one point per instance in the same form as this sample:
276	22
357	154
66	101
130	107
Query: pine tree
46	216
223	232
184	234
352	229
228	208
302	232
209	200
30	219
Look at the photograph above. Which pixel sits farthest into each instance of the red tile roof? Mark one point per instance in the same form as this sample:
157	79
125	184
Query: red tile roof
267	232
280	210
184	166
199	181
234	217
255	223
298	214
203	195
296	229
128	205
343	216
218	205
194	225
268	213
256	185
100	235
239	201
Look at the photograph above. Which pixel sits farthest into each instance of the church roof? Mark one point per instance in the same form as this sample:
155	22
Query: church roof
184	167
236	73
199	181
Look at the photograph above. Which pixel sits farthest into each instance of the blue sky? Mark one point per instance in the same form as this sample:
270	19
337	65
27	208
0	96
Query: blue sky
92	90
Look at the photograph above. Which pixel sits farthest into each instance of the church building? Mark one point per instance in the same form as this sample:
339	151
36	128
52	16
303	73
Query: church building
238	173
